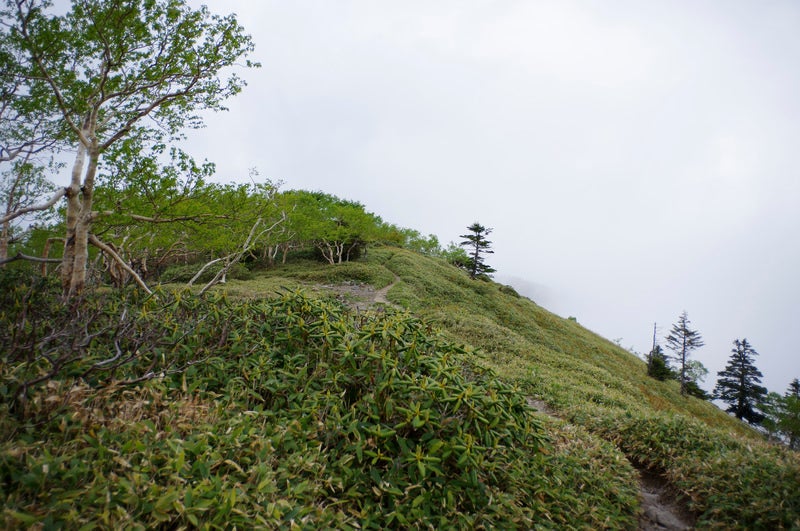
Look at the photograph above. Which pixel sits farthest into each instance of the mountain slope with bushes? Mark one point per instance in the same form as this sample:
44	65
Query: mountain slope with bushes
279	401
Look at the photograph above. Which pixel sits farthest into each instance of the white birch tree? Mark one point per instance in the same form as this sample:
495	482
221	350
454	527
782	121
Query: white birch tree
115	69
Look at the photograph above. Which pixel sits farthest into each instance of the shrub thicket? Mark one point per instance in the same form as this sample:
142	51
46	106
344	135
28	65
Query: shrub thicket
252	413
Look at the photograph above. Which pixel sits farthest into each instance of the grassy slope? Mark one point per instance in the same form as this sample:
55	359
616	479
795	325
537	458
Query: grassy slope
722	467
612	415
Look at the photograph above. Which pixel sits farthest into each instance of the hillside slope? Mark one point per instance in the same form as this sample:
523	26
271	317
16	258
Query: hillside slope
300	399
720	466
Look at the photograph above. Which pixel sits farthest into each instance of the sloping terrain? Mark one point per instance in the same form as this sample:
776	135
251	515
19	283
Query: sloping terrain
718	467
389	392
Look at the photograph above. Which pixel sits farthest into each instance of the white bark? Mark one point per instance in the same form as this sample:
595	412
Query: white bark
35	208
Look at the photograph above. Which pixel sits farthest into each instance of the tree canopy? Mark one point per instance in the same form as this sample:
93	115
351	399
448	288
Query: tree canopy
478	245
682	340
110	70
737	385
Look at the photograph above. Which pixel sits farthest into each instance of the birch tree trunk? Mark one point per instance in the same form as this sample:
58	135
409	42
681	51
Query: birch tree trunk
72	215
82	230
101	70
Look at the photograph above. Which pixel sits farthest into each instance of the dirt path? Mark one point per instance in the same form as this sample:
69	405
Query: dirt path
661	510
363	297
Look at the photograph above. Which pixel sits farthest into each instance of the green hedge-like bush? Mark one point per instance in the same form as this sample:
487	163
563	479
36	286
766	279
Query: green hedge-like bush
728	482
253	413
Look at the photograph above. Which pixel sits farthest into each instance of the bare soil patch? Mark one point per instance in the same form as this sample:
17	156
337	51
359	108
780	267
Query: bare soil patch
662	510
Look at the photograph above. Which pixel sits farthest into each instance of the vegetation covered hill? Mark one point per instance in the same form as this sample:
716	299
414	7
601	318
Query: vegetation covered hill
279	401
142	390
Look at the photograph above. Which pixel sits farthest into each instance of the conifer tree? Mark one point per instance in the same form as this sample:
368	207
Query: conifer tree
658	366
682	340
738	386
479	246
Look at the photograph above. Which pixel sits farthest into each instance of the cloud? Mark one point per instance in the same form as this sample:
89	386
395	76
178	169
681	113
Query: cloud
636	159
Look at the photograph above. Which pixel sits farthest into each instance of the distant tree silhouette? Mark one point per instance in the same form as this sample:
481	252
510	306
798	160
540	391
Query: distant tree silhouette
682	340
737	385
478	244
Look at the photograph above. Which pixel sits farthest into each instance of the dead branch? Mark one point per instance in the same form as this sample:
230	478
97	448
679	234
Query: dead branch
108	250
234	258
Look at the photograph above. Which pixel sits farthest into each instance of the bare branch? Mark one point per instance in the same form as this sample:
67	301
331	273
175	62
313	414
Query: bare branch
117	258
21	256
234	258
61	192
209	264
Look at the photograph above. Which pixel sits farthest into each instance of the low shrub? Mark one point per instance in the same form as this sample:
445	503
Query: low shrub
277	413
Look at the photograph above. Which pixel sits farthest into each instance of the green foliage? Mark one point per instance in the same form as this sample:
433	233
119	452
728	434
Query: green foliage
297	413
509	290
337	228
478	245
456	256
600	386
738	383
658	365
782	415
728	482
297	405
682	340
114	78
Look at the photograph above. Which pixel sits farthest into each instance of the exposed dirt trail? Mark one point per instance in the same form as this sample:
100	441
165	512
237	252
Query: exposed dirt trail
661	510
362	297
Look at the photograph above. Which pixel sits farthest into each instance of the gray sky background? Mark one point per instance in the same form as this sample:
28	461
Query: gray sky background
635	158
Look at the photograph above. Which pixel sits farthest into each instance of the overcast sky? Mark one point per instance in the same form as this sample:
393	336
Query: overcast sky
635	158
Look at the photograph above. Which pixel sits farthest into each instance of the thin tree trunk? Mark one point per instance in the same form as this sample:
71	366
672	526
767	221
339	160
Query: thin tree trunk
73	212
46	252
117	258
81	245
4	242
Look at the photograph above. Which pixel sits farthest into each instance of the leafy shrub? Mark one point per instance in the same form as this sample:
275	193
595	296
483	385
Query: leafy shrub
266	413
509	290
728	482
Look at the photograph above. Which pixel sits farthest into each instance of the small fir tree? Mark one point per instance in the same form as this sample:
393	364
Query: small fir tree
738	385
682	340
478	244
658	366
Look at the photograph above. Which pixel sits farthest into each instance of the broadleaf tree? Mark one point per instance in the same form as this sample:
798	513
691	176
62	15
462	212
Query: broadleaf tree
108	70
682	340
738	384
789	421
26	135
478	245
22	185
